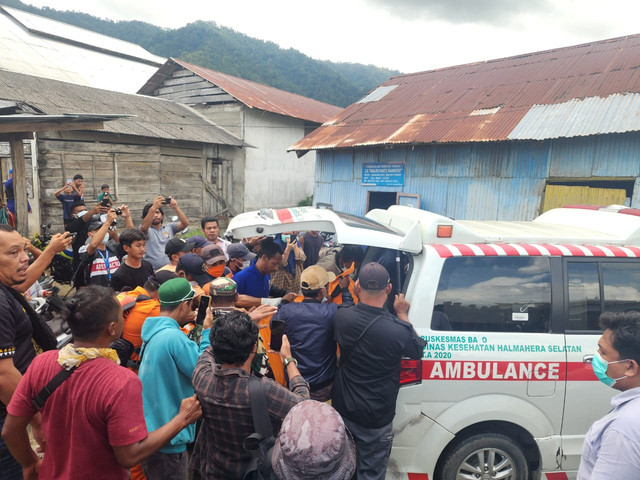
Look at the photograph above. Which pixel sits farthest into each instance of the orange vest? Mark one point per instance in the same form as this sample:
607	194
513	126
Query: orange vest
135	315
335	284
275	362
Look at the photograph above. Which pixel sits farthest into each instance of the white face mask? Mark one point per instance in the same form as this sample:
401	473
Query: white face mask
81	214
246	264
105	240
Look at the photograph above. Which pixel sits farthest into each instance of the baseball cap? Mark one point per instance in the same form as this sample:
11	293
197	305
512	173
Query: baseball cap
162	276
176	245
199	241
313	443
223	287
239	250
315	277
212	253
373	276
95	223
175	291
194	266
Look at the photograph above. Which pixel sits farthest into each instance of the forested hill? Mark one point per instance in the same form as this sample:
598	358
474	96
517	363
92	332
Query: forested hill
225	50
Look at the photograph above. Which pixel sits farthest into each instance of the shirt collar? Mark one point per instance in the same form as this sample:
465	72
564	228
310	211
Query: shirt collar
624	397
230	372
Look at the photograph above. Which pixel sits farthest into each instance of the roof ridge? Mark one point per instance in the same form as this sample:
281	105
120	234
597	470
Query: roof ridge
522	55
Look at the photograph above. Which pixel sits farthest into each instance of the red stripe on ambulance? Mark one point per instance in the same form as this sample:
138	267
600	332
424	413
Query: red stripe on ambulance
556	476
505	371
418	476
526	249
284	215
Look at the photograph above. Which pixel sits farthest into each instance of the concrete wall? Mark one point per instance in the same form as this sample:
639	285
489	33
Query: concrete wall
274	177
481	181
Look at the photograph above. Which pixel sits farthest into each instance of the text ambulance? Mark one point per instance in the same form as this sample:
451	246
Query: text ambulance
510	311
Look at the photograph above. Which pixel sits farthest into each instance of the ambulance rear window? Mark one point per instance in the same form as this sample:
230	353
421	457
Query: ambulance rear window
494	294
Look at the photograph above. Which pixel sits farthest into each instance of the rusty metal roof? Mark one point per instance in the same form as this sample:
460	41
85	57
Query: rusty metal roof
492	100
252	94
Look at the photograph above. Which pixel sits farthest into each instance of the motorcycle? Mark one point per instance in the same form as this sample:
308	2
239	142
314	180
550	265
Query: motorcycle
62	263
50	308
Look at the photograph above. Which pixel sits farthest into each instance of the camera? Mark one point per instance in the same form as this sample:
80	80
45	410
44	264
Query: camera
118	211
167	200
105	202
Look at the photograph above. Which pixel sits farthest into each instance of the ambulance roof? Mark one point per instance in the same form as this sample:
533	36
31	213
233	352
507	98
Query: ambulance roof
586	225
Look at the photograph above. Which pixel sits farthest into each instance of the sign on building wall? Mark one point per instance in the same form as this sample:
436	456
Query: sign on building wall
383	174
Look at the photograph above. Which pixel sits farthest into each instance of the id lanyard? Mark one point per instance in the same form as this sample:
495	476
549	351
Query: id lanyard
106	261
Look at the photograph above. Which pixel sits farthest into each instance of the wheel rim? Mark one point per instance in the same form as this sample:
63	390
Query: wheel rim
487	464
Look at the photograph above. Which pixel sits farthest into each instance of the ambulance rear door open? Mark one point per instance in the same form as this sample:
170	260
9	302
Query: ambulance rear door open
348	229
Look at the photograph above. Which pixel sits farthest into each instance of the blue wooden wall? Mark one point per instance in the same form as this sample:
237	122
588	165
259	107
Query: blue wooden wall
479	181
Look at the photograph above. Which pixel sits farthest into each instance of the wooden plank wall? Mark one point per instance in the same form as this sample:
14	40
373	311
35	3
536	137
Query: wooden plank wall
136	172
187	87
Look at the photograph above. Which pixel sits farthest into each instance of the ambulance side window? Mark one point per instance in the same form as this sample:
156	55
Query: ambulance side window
584	296
494	294
621	285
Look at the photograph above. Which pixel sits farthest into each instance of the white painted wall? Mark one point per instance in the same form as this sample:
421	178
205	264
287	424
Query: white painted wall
274	177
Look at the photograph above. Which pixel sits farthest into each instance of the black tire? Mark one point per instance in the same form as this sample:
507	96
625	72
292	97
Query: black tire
471	459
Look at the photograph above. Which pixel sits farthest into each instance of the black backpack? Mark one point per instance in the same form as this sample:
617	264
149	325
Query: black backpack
259	444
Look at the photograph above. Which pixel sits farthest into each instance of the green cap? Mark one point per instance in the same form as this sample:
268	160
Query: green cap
223	287
175	291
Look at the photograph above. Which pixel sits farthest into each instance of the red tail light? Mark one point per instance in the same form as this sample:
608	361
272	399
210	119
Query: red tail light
410	372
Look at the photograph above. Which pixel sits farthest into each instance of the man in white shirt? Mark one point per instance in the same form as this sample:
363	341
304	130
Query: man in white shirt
612	445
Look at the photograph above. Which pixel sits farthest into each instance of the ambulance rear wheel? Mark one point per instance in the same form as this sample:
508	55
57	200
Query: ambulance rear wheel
486	457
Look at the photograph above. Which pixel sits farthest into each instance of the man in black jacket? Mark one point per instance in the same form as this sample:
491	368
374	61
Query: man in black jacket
17	328
372	343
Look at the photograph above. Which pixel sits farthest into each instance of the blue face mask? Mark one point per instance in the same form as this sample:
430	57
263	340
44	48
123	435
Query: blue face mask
600	366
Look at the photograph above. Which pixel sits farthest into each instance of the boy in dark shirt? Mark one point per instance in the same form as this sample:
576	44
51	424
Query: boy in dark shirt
134	271
70	196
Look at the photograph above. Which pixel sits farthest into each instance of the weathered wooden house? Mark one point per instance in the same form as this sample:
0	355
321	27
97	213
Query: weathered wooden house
268	119
499	140
160	147
47	48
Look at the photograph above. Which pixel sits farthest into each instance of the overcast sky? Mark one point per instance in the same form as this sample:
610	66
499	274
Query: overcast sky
407	35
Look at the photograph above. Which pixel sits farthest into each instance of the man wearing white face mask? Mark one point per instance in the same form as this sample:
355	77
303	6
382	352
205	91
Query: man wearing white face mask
239	257
99	259
612	445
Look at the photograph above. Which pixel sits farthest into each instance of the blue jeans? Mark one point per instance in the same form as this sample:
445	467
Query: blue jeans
10	469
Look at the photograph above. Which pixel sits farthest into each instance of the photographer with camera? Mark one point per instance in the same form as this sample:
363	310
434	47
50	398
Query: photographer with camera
100	259
158	234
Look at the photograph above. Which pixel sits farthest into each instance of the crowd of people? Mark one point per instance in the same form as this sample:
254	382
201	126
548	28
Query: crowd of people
199	357
185	347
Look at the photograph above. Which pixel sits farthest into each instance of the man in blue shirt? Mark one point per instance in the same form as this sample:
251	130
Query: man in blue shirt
612	445
254	282
309	327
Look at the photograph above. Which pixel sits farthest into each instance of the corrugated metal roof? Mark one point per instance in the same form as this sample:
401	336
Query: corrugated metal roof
40	46
617	113
581	90
154	117
252	94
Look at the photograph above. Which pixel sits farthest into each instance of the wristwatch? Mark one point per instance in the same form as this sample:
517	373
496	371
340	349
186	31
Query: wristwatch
288	361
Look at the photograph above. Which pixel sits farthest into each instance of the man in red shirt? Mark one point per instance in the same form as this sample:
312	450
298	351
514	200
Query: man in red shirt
93	422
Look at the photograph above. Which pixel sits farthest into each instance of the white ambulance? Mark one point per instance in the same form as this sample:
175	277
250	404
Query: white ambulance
510	311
